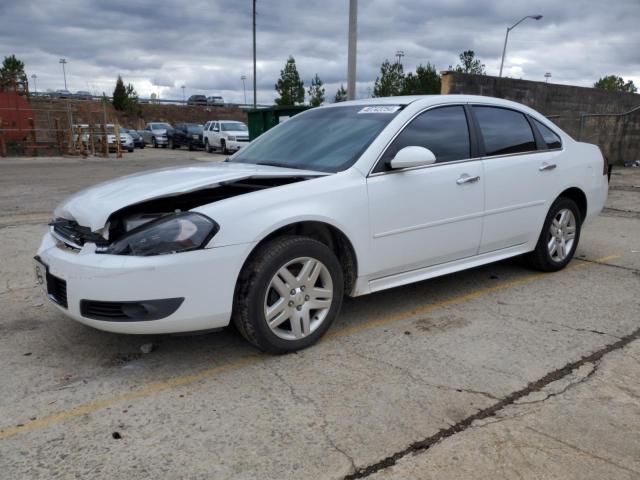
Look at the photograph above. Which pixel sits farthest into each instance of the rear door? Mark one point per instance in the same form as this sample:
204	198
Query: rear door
428	215
521	177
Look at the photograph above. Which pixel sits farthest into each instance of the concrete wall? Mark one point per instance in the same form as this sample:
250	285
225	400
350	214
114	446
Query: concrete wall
618	137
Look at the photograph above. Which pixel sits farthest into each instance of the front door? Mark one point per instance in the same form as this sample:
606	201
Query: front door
427	215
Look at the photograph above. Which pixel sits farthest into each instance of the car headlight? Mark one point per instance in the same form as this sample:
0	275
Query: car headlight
175	233
231	138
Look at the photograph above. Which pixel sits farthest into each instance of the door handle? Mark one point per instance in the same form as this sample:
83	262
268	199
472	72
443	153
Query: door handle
467	179
547	166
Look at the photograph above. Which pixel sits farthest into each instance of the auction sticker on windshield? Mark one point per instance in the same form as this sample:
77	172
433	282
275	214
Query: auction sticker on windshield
381	109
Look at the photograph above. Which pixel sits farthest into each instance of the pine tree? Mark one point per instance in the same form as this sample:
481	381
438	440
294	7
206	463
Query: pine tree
341	94
120	95
316	92
425	81
289	86
12	71
391	80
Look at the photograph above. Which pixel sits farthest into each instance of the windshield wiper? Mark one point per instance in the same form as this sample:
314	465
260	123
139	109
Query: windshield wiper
275	164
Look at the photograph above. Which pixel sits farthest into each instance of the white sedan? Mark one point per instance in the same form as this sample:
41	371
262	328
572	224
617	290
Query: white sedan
351	198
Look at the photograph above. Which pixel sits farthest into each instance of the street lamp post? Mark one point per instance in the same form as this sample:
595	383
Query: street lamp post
35	85
183	98
506	37
399	54
244	87
63	62
352	50
547	76
254	56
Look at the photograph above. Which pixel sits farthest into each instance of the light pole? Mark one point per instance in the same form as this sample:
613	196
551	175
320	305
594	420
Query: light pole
63	61
506	37
399	54
35	85
352	51
244	87
183	87
547	76
254	54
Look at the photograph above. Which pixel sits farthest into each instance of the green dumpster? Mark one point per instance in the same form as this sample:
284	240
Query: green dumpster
262	119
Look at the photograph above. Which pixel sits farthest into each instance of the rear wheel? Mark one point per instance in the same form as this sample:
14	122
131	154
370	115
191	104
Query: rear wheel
288	294
154	143
559	237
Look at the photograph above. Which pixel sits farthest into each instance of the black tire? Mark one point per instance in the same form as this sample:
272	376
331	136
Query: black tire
172	145
540	258
207	147
223	147
154	143
191	148
253	285
130	150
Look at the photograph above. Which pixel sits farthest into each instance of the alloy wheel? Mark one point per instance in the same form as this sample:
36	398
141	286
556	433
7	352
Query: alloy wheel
298	298
562	233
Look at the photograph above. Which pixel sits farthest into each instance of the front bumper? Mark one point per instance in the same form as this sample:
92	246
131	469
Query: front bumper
234	145
204	278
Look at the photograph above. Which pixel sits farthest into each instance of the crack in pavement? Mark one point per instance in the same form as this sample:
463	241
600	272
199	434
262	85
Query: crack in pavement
583	452
325	424
421	380
512	398
622	267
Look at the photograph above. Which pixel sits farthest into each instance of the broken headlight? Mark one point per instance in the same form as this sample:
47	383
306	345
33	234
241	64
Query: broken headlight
175	233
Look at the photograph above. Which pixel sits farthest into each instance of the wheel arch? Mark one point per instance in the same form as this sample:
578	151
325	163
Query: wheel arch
330	235
577	195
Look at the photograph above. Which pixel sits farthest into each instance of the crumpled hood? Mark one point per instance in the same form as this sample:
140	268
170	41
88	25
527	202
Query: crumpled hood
93	206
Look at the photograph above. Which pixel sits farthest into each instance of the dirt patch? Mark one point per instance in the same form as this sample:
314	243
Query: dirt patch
441	324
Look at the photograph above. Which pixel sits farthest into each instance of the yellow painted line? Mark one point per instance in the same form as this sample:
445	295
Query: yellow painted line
175	382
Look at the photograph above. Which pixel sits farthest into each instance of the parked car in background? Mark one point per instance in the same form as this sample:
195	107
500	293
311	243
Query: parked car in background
138	140
197	100
185	134
155	133
215	100
62	93
225	135
83	95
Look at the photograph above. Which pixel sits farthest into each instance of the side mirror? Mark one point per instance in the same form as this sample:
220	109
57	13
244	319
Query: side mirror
409	157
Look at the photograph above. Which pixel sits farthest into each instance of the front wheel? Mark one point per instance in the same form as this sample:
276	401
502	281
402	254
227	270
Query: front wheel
207	147
288	294
172	145
223	147
154	142
559	237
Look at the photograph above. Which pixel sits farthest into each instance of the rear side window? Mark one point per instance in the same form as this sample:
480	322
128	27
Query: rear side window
504	131
551	139
442	130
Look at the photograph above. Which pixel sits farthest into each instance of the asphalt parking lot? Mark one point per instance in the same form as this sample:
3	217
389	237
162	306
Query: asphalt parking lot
494	373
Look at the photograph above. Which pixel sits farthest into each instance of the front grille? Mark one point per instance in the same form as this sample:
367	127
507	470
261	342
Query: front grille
57	290
242	139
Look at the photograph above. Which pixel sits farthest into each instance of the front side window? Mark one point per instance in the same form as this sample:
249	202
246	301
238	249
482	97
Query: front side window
551	139
504	131
442	130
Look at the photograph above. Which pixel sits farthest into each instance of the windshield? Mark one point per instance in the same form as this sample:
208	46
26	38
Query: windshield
324	139
160	126
233	127
194	128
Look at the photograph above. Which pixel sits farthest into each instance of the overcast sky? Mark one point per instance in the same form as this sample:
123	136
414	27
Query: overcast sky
206	45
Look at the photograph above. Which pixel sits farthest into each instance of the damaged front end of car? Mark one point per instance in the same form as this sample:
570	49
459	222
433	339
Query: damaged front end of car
161	225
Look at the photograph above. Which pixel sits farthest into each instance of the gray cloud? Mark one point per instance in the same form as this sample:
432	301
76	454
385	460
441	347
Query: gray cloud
206	45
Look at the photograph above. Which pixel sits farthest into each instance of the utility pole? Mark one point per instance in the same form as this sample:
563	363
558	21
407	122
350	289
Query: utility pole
547	76
399	54
254	55
183	87
244	88
63	61
35	85
353	40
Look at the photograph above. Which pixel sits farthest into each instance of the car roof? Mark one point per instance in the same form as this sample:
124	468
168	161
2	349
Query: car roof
426	100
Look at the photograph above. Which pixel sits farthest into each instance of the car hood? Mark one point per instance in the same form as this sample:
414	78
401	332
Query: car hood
93	206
